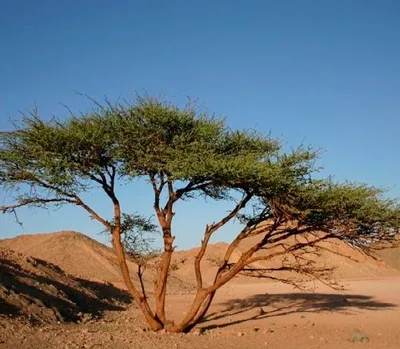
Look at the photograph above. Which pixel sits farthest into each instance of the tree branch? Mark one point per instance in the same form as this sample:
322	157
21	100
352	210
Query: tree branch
293	248
33	201
191	186
208	233
93	213
140	276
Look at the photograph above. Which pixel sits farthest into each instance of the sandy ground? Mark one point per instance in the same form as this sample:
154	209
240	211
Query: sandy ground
247	315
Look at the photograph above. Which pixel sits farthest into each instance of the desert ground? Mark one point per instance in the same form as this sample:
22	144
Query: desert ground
53	297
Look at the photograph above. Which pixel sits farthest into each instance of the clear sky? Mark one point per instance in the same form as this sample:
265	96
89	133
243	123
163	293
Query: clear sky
323	72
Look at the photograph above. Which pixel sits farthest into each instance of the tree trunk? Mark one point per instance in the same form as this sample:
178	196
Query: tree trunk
206	303
204	297
202	312
140	299
119	251
162	282
194	309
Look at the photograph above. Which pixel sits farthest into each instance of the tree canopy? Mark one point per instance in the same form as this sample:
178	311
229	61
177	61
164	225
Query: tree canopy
185	153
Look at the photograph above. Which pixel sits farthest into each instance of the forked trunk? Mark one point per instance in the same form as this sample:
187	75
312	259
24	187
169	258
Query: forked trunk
140	299
202	312
162	282
184	326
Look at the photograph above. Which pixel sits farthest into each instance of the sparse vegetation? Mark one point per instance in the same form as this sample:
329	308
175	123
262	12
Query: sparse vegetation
186	154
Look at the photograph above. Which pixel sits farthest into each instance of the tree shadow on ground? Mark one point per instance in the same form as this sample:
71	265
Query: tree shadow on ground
273	305
53	295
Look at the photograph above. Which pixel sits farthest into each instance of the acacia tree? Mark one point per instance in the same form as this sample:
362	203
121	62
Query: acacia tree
185	154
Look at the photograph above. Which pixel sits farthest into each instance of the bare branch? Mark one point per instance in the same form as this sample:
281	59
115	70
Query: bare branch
208	233
190	187
157	193
140	276
288	250
93	213
34	201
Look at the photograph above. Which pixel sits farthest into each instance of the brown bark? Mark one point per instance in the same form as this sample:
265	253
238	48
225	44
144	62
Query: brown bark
161	289
244	261
194	309
119	250
204	297
210	297
164	216
199	257
139	298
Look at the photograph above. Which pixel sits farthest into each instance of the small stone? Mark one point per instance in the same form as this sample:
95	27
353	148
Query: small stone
256	329
260	311
240	334
197	332
359	336
303	316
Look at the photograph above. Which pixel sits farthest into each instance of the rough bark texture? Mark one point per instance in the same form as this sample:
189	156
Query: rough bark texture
139	298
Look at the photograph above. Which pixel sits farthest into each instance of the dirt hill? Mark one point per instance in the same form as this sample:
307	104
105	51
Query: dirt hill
42	292
82	257
88	259
63	276
75	253
391	257
349	262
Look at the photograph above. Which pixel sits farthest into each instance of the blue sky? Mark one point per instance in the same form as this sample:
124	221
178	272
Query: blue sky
323	72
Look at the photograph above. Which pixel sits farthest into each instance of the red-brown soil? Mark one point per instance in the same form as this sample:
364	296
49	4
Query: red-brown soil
63	290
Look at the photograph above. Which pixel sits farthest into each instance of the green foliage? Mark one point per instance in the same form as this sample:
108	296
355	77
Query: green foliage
156	138
57	157
138	235
360	208
186	152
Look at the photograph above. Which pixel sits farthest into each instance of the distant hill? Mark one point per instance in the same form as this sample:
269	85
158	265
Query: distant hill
336	255
69	277
75	253
83	257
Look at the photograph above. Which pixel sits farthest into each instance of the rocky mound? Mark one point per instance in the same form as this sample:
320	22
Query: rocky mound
85	258
347	261
75	253
42	292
